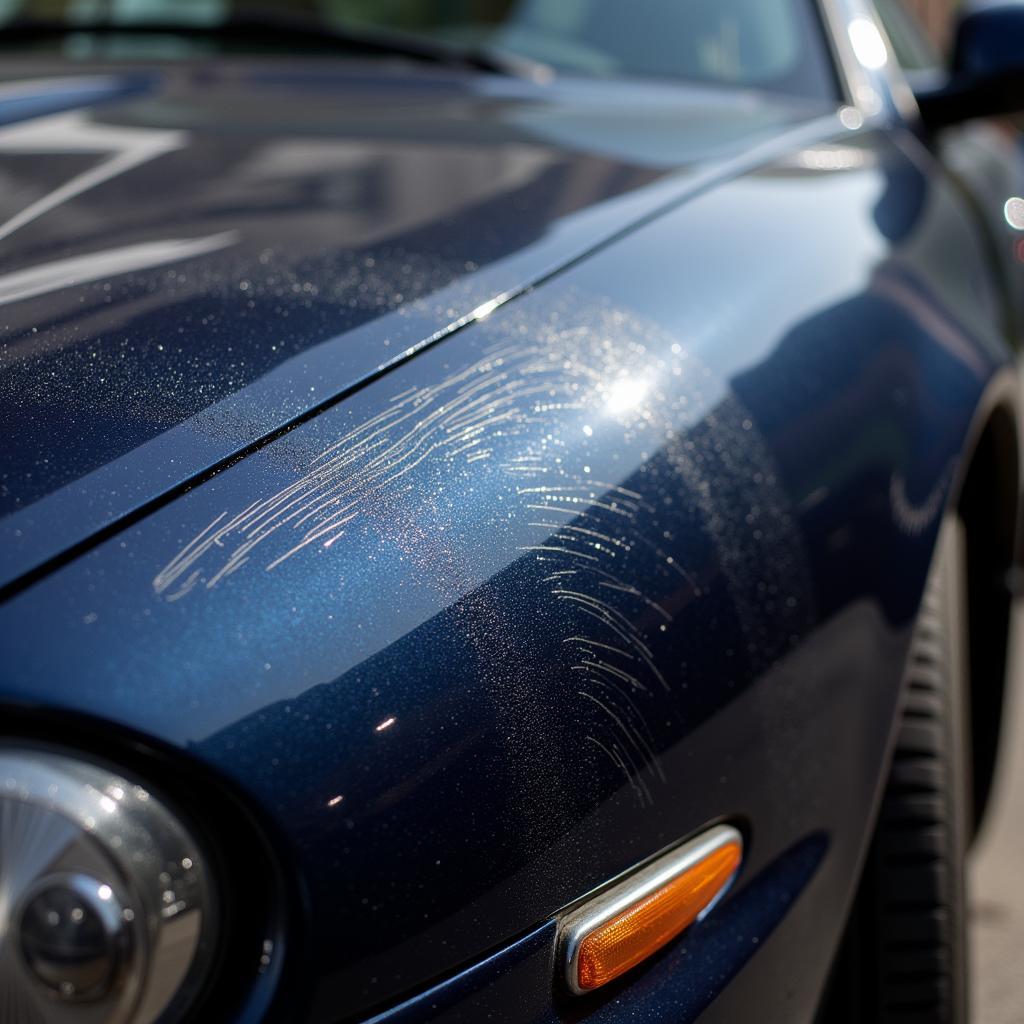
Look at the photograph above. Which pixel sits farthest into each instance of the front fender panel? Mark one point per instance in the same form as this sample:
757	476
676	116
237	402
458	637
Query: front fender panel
639	550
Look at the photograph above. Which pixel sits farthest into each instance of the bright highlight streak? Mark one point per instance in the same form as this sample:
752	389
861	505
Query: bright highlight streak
868	44
386	724
485	309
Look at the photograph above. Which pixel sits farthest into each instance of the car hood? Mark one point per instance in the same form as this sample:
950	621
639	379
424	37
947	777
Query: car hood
196	257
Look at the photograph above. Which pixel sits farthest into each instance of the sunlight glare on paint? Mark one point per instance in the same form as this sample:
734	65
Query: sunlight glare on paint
625	394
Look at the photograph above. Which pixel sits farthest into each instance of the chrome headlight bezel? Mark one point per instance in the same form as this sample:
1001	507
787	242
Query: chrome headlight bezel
78	834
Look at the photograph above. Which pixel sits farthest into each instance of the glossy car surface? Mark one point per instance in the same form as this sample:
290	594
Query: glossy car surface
481	485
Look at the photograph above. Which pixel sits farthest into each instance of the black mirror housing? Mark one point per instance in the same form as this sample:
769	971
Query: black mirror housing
987	73
989	40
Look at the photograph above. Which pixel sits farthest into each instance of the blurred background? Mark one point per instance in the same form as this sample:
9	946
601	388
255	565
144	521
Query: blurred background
936	17
996	894
995	891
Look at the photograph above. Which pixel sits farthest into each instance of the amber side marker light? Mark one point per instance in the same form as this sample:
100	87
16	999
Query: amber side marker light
622	926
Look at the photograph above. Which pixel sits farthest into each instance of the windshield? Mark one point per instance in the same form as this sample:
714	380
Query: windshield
766	44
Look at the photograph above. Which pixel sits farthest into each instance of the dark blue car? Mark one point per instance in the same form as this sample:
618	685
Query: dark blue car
507	507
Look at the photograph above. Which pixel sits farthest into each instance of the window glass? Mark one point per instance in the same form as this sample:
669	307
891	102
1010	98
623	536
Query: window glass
769	44
913	49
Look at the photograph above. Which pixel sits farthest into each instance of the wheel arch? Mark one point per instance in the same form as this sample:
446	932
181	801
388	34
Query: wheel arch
988	503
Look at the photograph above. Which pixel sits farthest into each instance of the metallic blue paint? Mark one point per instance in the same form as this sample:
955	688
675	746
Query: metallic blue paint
631	551
315	225
683	981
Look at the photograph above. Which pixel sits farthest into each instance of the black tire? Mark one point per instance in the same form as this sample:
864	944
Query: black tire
903	959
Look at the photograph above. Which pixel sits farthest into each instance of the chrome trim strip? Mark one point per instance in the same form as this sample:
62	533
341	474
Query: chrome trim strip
861	92
578	923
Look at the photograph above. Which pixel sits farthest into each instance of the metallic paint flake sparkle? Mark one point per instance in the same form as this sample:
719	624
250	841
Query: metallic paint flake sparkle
803	467
343	220
511	415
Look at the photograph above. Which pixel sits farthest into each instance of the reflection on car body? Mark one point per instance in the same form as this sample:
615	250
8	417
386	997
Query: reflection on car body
472	483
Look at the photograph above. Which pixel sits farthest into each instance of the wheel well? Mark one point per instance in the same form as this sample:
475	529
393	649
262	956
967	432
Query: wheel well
988	506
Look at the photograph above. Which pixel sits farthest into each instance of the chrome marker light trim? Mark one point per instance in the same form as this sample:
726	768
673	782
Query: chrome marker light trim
105	904
574	927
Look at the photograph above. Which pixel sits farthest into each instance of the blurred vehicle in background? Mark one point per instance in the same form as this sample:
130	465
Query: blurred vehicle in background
506	508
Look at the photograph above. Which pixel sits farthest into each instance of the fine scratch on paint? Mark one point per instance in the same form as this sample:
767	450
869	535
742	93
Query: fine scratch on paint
621	765
515	415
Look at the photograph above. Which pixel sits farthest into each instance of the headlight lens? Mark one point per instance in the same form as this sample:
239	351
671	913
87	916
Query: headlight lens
106	908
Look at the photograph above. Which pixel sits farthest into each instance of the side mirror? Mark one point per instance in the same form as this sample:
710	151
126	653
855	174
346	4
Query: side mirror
987	73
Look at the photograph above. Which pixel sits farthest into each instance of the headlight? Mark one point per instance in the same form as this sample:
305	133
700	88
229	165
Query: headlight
106	910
